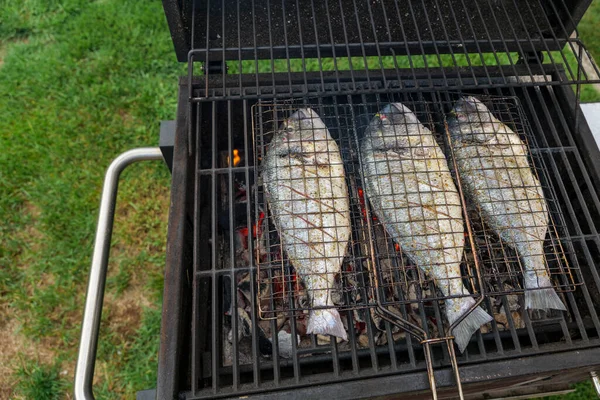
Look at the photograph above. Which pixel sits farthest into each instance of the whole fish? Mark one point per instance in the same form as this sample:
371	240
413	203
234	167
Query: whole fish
493	165
410	188
307	194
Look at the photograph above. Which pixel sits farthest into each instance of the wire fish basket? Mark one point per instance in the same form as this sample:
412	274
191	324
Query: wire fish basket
324	226
519	188
410	283
376	269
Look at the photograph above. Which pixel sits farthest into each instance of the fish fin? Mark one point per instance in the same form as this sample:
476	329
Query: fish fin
542	299
326	322
467	327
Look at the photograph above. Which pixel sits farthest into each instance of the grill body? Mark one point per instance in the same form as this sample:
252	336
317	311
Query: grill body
206	278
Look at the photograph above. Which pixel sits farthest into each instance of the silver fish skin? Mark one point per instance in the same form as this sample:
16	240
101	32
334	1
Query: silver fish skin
410	189
306	189
493	166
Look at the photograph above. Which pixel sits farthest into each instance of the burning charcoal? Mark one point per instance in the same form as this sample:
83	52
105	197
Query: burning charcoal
363	341
513	302
226	295
227	349
412	296
265	293
242	257
265	326
518	320
302	298
501	319
230	336
399	335
245	330
496	302
382	338
360	326
242	301
299	322
485	328
281	320
305	342
245	323
323	340
264	345
377	320
358	316
347	321
336	292
349	279
244	288
284	341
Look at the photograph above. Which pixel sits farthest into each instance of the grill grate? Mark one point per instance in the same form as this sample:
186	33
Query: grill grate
222	367
418	44
502	269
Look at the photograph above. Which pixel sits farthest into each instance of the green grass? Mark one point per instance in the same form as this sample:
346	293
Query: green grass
80	82
40	382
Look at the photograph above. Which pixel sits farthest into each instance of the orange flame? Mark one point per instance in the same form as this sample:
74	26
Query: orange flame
236	157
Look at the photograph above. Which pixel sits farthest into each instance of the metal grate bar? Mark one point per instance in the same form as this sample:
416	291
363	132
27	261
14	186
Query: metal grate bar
215	332
232	255
325	32
195	267
228	125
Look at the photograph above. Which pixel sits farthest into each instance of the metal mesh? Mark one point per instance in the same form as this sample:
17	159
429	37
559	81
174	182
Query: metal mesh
516	222
228	212
452	244
250	48
307	227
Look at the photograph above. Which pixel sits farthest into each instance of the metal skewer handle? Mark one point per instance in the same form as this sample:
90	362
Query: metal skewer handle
86	359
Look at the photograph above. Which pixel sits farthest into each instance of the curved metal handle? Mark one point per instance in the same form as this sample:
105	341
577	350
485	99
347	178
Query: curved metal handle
86	359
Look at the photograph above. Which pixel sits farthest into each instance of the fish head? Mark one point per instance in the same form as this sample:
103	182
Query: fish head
393	126
471	110
303	127
470	119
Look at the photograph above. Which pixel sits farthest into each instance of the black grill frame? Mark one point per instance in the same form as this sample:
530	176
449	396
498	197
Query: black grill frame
213	107
563	153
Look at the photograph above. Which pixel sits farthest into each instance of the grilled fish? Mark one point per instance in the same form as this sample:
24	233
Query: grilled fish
410	188
307	194
493	165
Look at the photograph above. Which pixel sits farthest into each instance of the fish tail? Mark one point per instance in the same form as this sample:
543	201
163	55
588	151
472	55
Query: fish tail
326	322
542	299
462	333
539	294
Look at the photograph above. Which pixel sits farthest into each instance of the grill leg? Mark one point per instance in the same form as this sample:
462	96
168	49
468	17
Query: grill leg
86	359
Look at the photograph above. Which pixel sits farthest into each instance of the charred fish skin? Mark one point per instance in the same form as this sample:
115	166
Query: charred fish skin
306	190
493	165
410	189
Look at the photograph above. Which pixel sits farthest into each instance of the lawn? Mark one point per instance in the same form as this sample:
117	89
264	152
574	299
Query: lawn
81	82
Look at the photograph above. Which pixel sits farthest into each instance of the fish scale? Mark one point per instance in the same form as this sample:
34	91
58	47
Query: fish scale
411	190
305	183
494	168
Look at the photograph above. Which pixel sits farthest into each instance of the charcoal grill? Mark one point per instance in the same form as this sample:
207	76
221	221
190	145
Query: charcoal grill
229	297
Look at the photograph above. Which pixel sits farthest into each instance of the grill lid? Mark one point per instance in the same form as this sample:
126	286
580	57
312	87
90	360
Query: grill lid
232	30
